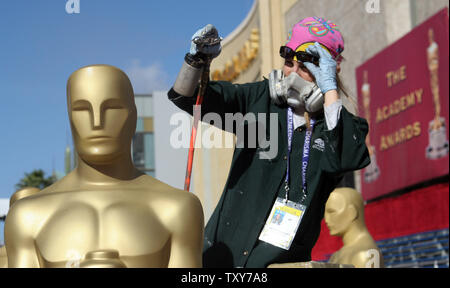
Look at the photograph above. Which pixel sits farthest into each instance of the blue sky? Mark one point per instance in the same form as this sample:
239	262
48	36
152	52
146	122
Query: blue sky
41	45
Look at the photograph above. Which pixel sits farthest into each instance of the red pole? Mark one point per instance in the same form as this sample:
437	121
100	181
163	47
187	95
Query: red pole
197	115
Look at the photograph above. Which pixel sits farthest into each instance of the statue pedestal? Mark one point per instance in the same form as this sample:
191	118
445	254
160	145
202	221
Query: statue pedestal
438	143
102	259
311	264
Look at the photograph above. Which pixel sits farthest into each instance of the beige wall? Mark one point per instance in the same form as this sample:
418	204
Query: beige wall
267	18
210	170
421	10
234	43
273	33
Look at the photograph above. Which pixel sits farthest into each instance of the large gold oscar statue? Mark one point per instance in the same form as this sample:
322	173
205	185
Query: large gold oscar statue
344	216
371	172
438	146
105	213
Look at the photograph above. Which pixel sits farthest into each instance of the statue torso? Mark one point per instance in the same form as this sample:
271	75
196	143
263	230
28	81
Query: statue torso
70	224
357	254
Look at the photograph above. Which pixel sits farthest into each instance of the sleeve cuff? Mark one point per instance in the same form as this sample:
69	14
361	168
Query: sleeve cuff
332	114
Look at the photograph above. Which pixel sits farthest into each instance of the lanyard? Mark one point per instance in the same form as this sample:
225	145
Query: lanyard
305	157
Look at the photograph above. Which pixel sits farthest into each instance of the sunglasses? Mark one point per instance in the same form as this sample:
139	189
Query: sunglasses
288	53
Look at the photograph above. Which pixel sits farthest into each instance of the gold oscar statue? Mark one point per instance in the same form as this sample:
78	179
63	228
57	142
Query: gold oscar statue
344	216
19	194
105	213
371	172
438	146
102	259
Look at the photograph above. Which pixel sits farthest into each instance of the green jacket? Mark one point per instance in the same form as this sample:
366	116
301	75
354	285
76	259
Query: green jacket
253	184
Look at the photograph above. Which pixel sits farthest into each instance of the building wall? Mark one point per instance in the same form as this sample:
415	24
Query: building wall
422	10
235	45
170	160
143	148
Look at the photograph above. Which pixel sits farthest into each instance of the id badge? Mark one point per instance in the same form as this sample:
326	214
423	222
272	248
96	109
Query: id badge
283	223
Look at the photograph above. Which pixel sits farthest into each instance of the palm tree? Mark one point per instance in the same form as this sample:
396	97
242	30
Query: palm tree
36	179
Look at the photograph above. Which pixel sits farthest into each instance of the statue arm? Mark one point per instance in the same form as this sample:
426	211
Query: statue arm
19	241
187	234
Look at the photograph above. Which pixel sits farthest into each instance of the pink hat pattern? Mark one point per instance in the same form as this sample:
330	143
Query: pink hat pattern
315	29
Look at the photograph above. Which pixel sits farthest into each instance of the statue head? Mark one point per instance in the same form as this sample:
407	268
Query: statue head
102	113
345	207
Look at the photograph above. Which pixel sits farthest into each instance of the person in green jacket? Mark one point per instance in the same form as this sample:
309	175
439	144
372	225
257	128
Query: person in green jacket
272	205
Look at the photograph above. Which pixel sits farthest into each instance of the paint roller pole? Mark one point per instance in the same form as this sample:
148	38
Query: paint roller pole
197	115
